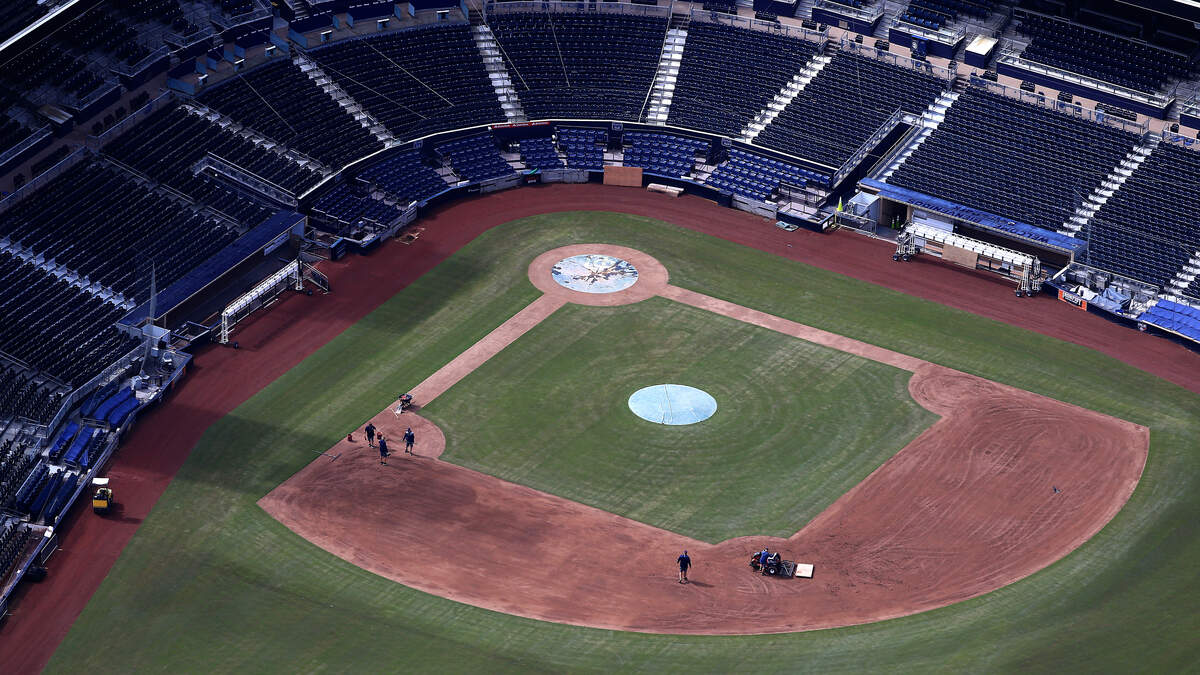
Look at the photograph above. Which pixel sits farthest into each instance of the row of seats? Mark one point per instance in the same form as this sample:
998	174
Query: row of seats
16	463
51	495
848	101
1174	316
416	82
55	327
405	176
1014	159
729	74
580	66
14	537
1150	227
168	144
343	205
475	158
282	103
23	396
104	226
756	177
663	154
540	153
584	147
1103	56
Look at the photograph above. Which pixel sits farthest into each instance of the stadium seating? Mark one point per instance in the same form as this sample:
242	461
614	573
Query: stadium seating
38	304
1174	316
539	153
340	203
729	74
476	158
168	144
584	147
1013	159
13	538
1150	227
844	104
104	226
663	154
21	395
757	177
417	81
282	103
406	177
1103	56
581	66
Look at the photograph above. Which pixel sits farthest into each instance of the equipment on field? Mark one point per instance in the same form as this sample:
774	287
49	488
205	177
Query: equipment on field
778	567
103	500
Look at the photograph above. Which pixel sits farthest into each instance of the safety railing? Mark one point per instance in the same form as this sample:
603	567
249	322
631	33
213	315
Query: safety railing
97	142
493	8
870	51
129	70
43	178
865	149
944	35
799	32
246	178
1070	108
1012	57
867	15
36	137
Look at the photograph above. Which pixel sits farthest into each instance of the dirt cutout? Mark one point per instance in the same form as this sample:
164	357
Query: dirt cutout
1004	484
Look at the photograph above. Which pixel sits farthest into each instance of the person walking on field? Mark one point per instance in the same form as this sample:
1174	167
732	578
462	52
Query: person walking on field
685	562
383	450
409	439
370	431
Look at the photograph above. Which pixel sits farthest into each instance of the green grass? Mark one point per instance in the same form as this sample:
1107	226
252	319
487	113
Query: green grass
212	583
797	424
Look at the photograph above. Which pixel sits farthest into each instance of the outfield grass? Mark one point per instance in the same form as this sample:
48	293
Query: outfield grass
212	583
797	424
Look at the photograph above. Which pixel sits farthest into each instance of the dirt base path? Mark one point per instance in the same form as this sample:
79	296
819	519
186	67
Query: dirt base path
272	343
1004	484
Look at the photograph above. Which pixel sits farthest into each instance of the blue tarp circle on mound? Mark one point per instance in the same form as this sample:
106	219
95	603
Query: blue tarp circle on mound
673	404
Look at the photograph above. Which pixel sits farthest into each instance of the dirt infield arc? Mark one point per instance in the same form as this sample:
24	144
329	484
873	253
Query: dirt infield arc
297	326
1004	484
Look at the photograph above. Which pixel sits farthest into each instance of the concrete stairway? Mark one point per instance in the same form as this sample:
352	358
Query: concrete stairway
493	61
353	108
783	98
1113	182
663	89
1178	285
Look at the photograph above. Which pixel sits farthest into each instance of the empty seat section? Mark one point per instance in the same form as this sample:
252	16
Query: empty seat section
539	153
416	82
1150	227
581	66
341	204
663	154
757	177
839	110
476	158
584	147
282	103
729	74
1014	159
406	176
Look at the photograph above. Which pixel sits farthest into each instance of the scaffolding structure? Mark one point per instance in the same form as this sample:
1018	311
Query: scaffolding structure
1024	269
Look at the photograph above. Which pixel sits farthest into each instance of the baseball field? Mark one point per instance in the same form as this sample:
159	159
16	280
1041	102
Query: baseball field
212	581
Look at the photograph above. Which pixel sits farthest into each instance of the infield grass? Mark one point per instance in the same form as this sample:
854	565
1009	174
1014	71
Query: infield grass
210	583
797	424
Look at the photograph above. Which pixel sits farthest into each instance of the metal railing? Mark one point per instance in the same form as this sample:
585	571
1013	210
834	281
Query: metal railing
942	35
870	52
799	32
867	146
492	8
1076	110
43	178
36	137
846	10
1011	57
110	373
129	70
246	178
97	142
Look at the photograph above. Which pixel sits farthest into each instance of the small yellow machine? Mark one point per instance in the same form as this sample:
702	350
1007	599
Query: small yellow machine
103	500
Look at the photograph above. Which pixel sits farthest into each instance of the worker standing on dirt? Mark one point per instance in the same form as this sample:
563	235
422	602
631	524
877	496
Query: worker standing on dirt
685	561
383	450
370	431
409	439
